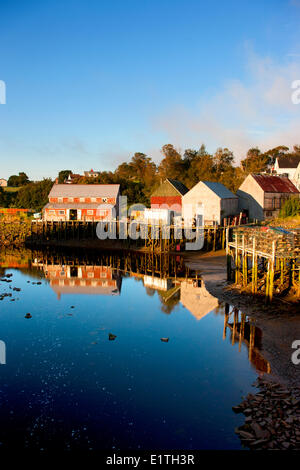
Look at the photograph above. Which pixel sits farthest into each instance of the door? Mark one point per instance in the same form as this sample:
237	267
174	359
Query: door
73	214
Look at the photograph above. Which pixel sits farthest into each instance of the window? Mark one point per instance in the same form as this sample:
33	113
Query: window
60	199
104	199
61	212
71	199
94	199
81	199
90	212
51	212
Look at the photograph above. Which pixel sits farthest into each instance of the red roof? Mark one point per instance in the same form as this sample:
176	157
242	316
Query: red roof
275	184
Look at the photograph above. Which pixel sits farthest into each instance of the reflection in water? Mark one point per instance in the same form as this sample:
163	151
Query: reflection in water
243	330
163	274
82	279
66	385
195	298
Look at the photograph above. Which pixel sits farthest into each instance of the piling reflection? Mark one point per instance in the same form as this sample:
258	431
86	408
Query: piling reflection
244	331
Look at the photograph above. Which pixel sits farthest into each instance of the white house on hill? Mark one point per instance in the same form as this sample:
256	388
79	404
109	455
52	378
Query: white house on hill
287	165
213	200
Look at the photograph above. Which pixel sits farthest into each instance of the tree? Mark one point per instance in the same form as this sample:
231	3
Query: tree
296	150
2	198
34	195
18	180
63	175
276	152
143	168
171	165
255	161
201	168
223	159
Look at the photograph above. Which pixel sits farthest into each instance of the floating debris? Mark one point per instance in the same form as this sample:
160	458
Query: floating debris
111	337
164	340
28	315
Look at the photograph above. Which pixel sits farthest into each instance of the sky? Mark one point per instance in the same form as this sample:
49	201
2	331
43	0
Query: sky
88	83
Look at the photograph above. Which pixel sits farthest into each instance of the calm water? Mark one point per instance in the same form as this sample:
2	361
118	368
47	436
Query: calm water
66	385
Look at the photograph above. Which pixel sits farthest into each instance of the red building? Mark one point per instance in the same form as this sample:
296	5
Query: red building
83	279
169	195
87	202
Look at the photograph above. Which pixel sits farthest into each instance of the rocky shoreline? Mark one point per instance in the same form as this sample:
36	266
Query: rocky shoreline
272	417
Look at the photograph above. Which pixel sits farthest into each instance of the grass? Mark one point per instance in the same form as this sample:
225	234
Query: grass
11	189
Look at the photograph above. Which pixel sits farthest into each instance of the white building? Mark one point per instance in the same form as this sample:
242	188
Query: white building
296	178
212	200
287	165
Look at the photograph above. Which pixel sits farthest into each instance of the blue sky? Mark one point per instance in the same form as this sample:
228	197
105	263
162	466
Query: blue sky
91	82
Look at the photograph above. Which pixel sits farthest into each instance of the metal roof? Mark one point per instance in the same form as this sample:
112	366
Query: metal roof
180	187
84	190
275	184
220	190
288	161
77	205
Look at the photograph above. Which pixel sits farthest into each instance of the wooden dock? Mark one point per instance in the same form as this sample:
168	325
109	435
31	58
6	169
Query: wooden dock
264	260
153	238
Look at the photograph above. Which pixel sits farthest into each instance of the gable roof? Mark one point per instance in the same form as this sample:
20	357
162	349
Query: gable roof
288	161
180	187
219	189
170	187
84	190
275	184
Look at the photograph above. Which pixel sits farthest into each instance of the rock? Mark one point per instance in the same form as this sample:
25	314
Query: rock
237	409
111	337
259	432
28	315
164	340
258	443
244	434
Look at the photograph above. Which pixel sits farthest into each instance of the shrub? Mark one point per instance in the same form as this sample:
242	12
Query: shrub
290	208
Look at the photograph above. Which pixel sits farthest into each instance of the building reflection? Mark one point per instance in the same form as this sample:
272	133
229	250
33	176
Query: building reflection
244	331
195	297
82	279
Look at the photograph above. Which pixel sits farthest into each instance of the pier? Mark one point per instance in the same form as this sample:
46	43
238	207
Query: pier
128	235
264	260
